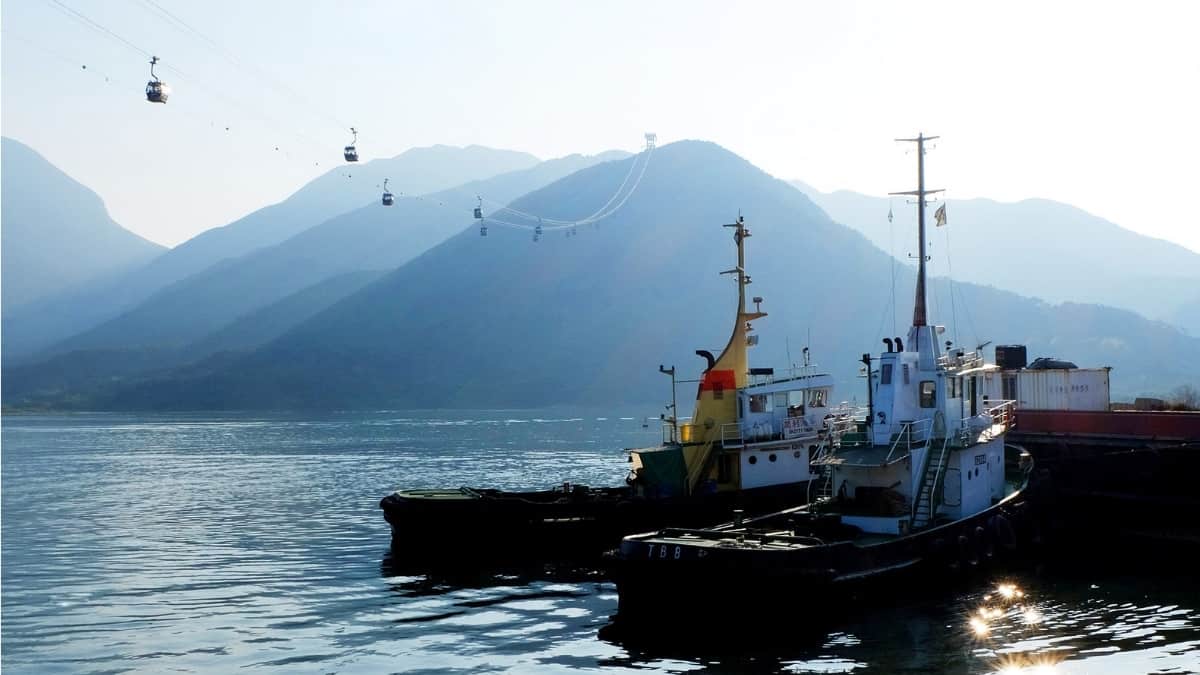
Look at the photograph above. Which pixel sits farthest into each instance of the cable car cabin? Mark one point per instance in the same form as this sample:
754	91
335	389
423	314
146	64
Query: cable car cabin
478	213
388	199
483	230
537	231
350	153
157	92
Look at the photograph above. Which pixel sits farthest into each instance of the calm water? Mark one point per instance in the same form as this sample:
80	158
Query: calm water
240	543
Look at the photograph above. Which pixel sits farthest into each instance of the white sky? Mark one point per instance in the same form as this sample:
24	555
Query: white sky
1094	104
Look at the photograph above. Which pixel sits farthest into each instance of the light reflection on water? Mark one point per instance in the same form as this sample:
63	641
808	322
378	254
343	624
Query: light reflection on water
203	543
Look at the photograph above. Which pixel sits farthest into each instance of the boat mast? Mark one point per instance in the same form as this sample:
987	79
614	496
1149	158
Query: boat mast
920	193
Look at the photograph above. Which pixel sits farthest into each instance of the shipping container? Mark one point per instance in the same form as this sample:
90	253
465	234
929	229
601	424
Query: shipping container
1065	389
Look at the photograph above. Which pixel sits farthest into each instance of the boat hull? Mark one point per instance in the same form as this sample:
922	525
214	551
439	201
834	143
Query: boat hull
579	523
655	577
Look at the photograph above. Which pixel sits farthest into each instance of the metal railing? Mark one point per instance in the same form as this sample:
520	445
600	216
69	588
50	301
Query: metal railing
1002	413
968	359
918	430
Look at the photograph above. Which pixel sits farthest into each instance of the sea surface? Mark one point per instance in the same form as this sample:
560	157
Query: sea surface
250	543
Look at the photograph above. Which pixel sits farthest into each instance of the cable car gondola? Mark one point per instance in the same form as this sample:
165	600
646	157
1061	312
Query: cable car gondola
157	91
482	230
388	199
351	153
479	209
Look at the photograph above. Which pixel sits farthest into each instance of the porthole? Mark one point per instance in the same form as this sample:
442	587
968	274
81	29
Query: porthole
796	454
753	459
771	457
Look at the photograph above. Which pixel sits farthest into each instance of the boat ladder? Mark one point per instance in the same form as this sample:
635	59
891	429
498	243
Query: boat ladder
823	483
926	503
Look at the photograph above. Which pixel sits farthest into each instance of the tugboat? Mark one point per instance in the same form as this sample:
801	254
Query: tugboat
750	445
927	486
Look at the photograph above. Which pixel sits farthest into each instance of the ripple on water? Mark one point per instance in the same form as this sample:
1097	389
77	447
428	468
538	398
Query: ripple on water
213	543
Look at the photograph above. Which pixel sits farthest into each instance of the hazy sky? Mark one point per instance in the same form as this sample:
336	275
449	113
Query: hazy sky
1094	104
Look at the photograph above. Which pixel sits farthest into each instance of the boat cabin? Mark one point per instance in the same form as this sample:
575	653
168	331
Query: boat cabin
936	448
749	430
771	410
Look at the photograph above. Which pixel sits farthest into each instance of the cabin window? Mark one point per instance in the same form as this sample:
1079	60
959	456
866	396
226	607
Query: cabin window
816	398
781	400
885	374
951	387
928	394
905	366
760	403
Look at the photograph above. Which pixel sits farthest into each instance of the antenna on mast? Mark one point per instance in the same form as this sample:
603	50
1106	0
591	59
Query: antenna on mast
920	193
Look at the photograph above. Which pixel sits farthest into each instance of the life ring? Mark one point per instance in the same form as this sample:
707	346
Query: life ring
983	543
966	551
1005	533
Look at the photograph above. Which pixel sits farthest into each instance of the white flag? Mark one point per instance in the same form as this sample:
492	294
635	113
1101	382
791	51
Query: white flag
940	215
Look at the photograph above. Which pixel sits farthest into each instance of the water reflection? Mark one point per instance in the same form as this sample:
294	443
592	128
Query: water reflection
214	545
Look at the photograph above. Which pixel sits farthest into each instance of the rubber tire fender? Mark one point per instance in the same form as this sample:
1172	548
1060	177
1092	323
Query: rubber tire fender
983	543
966	551
1005	534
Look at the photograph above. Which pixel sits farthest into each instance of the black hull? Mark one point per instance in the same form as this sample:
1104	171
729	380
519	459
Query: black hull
742	579
487	526
1137	493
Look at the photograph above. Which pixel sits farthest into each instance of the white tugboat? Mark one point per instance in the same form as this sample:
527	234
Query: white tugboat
750	445
927	487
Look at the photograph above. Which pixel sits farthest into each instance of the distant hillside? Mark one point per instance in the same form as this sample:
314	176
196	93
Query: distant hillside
372	237
417	171
56	233
72	375
504	321
1039	248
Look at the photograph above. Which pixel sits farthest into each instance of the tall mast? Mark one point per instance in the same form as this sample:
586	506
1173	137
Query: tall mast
920	193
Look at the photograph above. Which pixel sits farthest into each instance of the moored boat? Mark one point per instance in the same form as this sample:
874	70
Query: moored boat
751	444
928	487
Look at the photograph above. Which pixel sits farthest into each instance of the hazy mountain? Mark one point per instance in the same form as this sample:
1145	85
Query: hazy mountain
56	233
267	323
504	321
349	186
75	373
372	237
1037	247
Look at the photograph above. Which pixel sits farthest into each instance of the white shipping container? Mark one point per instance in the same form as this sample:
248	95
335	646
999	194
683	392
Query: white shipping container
1075	389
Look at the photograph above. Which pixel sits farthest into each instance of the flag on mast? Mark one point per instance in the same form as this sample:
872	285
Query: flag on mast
939	216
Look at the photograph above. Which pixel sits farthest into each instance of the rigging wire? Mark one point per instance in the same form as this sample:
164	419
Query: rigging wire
83	19
258	74
615	202
950	275
604	212
624	182
90	69
102	30
892	253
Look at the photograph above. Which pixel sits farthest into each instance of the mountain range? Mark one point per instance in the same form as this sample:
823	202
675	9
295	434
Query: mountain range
80	307
56	232
1037	247
405	307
